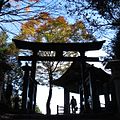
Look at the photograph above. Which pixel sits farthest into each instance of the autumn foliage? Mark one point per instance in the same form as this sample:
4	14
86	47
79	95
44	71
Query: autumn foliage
49	29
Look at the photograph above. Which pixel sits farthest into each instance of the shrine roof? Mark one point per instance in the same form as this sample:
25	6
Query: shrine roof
113	63
71	79
35	46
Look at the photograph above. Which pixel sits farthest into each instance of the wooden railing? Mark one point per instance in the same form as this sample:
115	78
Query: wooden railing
60	109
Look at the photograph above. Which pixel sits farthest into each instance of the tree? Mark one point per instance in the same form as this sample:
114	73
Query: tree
101	17
110	10
9	71
14	12
116	45
4	66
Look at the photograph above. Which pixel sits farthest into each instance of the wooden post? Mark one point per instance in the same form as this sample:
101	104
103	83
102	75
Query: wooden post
113	98
57	109
66	101
26	70
95	95
84	86
81	100
107	98
32	94
114	65
35	93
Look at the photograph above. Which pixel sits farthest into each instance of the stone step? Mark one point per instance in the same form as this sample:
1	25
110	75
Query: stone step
92	116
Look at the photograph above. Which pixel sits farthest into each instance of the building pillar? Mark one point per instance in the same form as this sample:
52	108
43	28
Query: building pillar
113	97
66	101
94	93
114	65
107	97
81	101
35	93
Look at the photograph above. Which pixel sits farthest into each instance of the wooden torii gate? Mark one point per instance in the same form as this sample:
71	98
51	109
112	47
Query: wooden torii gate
59	48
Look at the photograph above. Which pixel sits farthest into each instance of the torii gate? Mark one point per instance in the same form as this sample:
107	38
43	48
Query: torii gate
58	48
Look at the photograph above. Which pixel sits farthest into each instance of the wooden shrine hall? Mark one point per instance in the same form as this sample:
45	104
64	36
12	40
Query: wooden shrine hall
97	82
30	86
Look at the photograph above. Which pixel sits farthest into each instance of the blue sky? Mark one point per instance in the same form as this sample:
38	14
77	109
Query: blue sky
59	10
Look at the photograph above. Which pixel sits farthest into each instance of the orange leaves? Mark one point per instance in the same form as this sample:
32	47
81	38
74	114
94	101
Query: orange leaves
27	9
34	0
42	28
61	20
44	15
79	25
54	29
11	49
26	5
28	0
51	29
16	0
80	30
29	28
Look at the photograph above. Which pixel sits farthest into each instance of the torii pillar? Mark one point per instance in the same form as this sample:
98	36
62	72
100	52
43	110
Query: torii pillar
26	81
33	84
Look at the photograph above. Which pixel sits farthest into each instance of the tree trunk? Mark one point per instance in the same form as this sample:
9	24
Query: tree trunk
48	101
1	85
48	109
0	90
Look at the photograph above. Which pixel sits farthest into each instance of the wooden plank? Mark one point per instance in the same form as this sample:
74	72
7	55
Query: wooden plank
38	58
36	46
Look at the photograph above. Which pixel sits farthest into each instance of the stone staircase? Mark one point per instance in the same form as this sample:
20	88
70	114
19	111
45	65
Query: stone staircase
85	116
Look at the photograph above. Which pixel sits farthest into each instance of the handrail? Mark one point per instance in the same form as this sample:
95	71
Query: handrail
61	109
